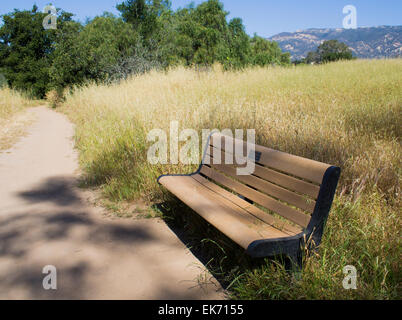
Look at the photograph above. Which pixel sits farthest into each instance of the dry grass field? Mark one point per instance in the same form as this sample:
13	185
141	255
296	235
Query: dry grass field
13	121
11	102
346	113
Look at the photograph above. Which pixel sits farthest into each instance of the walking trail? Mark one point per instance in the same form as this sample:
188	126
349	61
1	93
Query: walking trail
46	220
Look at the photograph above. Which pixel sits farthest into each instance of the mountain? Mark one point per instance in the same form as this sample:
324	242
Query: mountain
367	42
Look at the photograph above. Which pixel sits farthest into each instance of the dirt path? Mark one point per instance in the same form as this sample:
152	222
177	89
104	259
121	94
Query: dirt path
46	220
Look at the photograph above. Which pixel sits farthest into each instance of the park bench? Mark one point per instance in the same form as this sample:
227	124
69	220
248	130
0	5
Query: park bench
279	209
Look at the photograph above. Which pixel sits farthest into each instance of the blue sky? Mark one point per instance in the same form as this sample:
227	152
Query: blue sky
265	17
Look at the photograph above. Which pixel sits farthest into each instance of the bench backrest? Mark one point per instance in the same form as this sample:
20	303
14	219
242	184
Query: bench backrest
297	189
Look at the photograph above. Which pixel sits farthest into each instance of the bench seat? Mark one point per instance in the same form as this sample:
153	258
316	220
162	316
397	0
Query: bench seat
233	216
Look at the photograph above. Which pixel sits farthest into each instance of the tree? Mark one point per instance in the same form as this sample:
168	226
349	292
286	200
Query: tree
334	50
144	15
328	51
88	53
312	58
198	33
237	49
265	52
68	66
210	26
133	11
26	50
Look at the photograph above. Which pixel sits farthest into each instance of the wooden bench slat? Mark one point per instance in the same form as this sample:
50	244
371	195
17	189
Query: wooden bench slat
301	202
301	167
231	220
279	178
266	217
266	201
288	182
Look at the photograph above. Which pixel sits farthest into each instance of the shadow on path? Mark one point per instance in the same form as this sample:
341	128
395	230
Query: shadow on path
55	227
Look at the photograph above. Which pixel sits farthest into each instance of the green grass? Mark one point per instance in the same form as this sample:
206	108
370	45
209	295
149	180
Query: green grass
347	114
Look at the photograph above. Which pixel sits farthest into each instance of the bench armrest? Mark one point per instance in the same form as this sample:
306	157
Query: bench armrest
268	247
200	166
323	205
180	175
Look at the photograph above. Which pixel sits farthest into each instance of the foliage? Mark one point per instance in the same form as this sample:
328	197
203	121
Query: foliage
144	15
3	81
148	35
87	53
26	49
329	51
265	52
198	33
143	59
238	46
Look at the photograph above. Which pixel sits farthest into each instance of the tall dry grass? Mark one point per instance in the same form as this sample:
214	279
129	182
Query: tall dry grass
347	114
13	119
11	102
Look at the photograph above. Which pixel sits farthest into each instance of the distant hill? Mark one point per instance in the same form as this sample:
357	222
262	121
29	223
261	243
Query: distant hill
368	42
